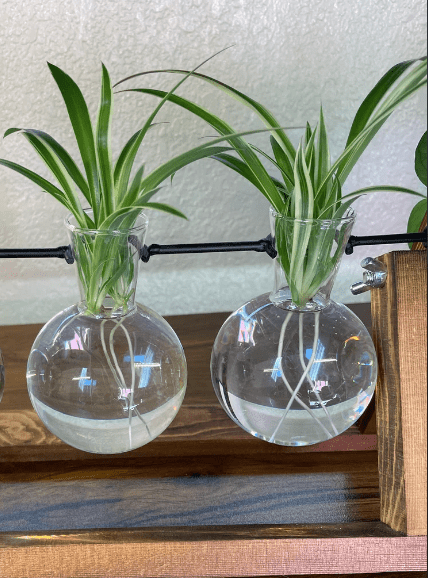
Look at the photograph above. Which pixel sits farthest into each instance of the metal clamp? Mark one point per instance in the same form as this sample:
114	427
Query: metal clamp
374	276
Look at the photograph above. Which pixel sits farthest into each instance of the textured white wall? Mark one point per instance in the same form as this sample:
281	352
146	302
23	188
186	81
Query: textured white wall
290	55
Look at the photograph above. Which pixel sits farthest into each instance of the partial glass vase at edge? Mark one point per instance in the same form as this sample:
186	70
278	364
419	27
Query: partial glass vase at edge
107	375
293	367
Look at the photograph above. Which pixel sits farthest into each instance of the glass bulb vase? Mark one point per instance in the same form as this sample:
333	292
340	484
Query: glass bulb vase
293	367
107	375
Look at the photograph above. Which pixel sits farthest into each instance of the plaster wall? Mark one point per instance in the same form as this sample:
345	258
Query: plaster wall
289	55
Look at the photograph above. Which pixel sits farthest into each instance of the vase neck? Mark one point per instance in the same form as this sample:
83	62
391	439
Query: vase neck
308	258
107	264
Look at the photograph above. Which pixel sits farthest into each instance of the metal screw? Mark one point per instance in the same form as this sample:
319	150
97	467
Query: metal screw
375	275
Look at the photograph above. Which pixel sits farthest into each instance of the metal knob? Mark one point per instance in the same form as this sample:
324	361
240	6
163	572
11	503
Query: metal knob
375	275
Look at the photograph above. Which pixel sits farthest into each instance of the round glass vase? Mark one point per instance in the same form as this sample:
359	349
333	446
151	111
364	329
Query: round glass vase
107	375
293	367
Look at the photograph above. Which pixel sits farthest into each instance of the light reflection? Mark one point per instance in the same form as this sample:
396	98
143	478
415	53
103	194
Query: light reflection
75	343
84	379
246	331
352	338
145	364
276	369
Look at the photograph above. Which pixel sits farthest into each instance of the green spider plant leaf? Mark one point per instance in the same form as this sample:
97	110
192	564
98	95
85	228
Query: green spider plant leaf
129	157
421	160
322	154
82	127
351	197
235	140
66	160
303	196
380	110
103	144
372	100
265	115
284	163
135	187
275	164
57	169
41	182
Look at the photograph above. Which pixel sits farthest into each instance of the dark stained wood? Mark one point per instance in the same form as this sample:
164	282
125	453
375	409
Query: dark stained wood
351	464
367	422
217	558
374	529
400	335
200	428
285	498
201	449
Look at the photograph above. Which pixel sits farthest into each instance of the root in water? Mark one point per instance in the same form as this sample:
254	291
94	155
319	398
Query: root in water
117	372
302	379
308	377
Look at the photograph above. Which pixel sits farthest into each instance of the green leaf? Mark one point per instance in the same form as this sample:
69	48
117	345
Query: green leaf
82	127
41	182
129	157
265	115
365	131
416	217
239	144
165	209
283	162
160	174
66	160
103	143
379	189
372	100
135	186
322	158
59	173
421	160
122	170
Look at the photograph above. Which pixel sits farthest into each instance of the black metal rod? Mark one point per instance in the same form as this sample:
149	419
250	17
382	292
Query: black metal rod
385	240
262	246
63	252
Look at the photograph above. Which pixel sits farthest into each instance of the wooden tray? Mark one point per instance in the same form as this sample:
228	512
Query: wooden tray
203	499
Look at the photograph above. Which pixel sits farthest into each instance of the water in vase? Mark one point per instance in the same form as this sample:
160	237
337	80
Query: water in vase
290	377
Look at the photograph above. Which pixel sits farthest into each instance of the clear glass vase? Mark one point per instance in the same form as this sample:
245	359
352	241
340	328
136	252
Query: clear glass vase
293	367
107	375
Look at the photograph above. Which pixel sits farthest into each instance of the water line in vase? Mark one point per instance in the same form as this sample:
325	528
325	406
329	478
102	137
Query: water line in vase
308	377
306	371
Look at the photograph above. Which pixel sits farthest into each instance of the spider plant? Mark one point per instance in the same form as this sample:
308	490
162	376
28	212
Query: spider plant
309	186
114	198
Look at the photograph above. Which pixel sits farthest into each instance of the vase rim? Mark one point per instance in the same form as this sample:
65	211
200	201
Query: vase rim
141	223
347	217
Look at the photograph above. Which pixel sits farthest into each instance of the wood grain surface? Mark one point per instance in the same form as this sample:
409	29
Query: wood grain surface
201	427
266	510
216	558
400	335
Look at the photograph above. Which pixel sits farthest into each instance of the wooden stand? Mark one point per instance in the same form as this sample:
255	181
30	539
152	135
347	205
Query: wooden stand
399	322
215	501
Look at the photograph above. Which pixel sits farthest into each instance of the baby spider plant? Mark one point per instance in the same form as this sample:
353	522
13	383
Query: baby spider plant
309	185
115	191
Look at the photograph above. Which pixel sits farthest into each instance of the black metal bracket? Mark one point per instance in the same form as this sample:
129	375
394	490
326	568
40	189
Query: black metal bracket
63	252
263	246
385	240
